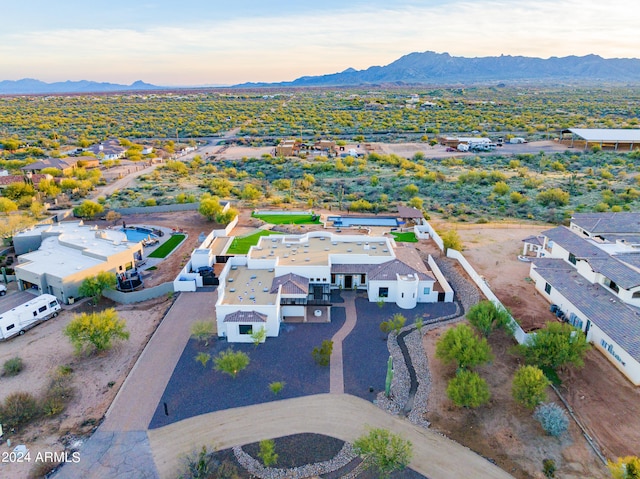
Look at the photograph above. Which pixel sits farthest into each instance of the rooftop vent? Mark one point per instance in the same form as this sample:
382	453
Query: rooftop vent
270	270
230	280
234	268
232	290
264	290
253	276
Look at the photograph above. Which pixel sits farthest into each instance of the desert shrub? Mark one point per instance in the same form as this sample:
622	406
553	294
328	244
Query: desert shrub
198	465
18	409
468	389
42	469
276	386
231	362
529	386
13	366
322	354
462	346
549	468
395	324
58	393
268	452
552	418
485	316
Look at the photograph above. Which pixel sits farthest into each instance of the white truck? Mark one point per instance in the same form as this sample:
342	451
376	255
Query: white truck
28	315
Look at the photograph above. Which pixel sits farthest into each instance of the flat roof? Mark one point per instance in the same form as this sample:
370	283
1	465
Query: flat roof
56	260
316	250
629	135
246	287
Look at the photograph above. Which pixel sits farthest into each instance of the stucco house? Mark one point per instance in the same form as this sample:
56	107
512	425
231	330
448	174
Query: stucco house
591	272
289	278
56	258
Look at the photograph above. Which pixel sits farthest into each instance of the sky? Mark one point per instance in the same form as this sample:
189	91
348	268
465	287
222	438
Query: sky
214	42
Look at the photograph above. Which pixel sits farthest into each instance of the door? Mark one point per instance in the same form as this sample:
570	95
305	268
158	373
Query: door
348	282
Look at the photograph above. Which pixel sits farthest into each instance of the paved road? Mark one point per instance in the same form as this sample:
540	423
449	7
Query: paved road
339	415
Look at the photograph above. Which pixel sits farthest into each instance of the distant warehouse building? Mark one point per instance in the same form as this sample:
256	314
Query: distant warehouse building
56	258
591	273
608	139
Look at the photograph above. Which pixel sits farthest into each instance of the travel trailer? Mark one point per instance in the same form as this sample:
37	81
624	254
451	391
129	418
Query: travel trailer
27	315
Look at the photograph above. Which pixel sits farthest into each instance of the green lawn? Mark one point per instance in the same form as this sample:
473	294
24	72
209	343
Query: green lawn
242	244
289	219
408	237
164	249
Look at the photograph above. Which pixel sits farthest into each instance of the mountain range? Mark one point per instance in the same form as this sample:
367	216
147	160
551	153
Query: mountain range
438	68
31	86
415	68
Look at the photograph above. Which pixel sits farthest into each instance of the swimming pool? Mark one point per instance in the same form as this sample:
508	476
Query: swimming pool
347	221
137	234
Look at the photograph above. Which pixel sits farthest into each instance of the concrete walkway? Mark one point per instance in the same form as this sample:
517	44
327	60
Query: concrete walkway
149	377
336	374
339	415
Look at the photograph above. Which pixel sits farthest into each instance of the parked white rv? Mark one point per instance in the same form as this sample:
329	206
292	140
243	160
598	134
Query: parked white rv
28	315
463	147
517	140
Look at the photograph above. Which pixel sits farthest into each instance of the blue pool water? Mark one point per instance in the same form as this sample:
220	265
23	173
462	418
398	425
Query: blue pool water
363	221
137	234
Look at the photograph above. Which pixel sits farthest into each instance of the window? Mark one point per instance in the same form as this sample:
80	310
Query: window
128	266
402	294
363	278
572	258
245	329
547	288
611	285
42	309
35	313
427	291
383	292
53	304
636	295
11	326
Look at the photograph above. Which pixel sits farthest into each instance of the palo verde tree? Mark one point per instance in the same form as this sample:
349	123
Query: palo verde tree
556	345
486	317
231	362
468	389
96	331
88	209
625	467
93	287
529	386
384	451
462	346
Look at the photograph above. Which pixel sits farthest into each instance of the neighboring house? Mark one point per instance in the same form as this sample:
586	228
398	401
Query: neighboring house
67	165
288	148
146	150
591	272
56	258
108	150
28	178
290	278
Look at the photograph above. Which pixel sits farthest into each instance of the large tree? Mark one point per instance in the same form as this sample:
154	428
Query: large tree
93	287
88	209
384	451
556	345
96	331
462	346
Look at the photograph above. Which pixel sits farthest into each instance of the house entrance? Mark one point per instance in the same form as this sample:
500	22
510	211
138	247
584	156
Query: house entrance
348	282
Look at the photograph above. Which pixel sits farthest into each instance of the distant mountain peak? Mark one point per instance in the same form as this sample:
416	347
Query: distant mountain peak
30	86
434	68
